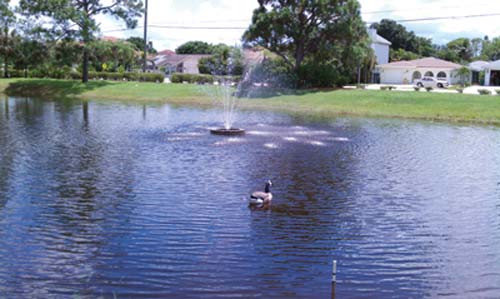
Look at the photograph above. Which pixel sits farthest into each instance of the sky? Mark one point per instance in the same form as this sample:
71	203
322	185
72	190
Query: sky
238	14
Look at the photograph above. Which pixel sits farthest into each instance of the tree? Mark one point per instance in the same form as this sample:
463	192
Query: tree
7	36
195	47
400	54
77	18
464	74
462	48
491	49
224	61
110	56
27	53
325	32
138	43
476	47
401	38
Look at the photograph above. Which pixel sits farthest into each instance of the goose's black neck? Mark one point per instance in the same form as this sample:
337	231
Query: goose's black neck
268	188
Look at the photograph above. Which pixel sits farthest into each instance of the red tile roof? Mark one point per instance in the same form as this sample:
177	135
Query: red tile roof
110	39
166	52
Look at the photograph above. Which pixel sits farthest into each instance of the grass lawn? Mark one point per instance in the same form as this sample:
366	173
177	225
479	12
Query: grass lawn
324	104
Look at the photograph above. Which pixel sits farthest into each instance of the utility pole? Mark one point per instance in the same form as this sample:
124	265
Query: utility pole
145	66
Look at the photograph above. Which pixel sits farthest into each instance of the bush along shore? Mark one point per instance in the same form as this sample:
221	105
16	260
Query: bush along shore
73	75
324	104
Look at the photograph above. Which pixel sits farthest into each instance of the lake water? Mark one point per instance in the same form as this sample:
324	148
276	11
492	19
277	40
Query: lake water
118	200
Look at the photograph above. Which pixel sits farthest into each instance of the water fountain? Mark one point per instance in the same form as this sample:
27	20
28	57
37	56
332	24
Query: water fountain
224	94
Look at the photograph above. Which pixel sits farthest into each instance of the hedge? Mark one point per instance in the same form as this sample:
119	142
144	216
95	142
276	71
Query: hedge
484	92
142	77
67	74
202	79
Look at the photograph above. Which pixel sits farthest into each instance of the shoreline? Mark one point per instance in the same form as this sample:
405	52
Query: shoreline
441	107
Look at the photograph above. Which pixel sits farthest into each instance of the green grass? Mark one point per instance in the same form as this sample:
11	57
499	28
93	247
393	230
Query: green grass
323	104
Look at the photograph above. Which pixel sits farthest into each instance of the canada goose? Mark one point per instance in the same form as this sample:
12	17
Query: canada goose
262	198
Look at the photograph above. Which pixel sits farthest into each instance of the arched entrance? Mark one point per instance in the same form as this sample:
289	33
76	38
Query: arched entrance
416	76
429	74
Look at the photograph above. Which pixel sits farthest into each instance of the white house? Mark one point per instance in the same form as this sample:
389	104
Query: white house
380	46
406	72
492	74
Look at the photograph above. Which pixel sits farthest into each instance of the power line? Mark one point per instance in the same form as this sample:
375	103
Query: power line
444	18
414	8
180	27
198	27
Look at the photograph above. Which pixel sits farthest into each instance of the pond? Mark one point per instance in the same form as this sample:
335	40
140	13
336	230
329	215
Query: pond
118	200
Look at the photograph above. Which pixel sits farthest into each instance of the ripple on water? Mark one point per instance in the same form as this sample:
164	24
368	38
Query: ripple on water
228	141
271	145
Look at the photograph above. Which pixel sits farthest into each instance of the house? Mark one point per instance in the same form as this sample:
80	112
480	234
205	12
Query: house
188	63
476	68
406	72
380	46
492	74
178	63
110	39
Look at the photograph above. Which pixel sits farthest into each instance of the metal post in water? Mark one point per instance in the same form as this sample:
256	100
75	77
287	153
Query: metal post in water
334	278
334	272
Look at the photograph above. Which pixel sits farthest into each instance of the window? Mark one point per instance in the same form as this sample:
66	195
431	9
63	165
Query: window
429	74
442	75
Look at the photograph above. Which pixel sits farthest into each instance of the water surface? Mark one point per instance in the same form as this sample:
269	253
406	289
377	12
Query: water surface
129	201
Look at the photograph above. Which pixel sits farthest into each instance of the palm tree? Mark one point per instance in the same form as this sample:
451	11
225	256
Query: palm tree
464	74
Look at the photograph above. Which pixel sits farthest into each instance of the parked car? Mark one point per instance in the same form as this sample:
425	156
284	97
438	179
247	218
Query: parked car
432	82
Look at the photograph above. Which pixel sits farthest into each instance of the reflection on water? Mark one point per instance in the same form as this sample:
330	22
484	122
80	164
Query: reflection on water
117	200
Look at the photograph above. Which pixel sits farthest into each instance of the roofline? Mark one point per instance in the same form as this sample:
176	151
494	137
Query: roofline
414	67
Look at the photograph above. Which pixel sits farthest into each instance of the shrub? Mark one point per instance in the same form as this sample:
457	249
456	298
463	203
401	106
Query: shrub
361	86
151	77
497	91
199	79
429	89
388	87
16	73
181	78
416	88
484	92
460	90
312	75
131	76
75	75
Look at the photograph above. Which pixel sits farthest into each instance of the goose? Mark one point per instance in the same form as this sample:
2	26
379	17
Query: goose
261	198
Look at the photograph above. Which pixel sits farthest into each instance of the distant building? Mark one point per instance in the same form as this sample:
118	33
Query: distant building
381	48
110	39
406	72
165	52
188	63
178	63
